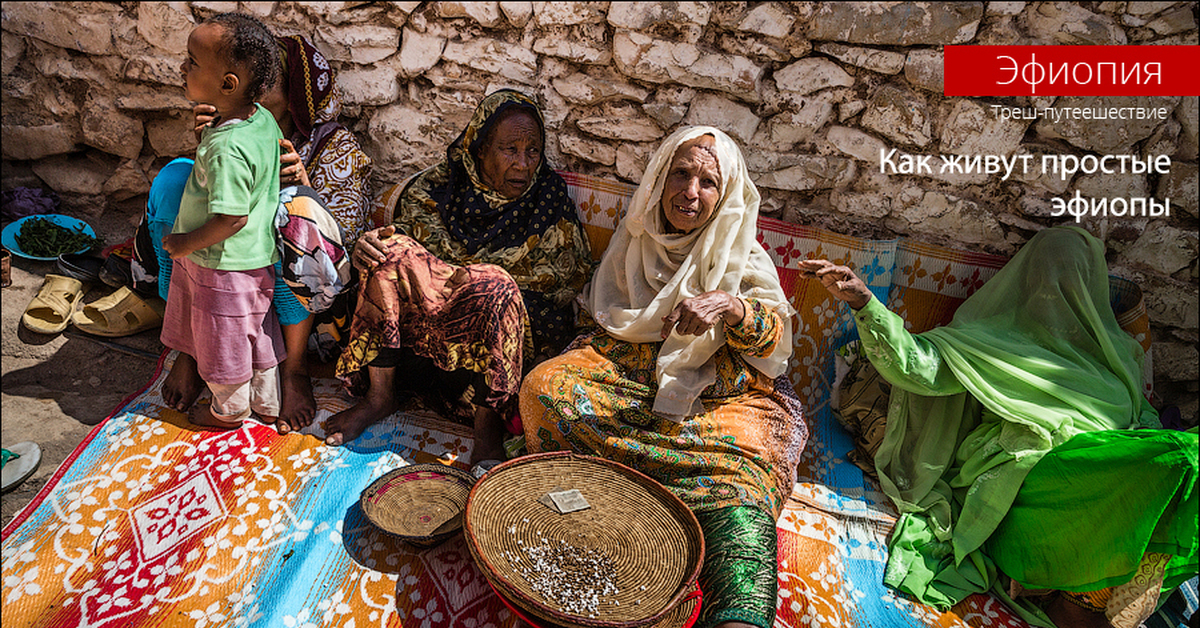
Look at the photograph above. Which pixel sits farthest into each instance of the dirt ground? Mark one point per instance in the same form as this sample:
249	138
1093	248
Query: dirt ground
56	388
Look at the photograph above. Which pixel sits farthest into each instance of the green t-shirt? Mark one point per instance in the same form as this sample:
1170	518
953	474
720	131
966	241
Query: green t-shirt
237	174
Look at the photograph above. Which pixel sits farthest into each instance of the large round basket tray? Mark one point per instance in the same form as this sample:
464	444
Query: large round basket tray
627	560
422	504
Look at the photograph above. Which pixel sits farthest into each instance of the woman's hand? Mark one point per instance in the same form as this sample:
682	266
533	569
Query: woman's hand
368	251
840	281
698	314
204	115
291	168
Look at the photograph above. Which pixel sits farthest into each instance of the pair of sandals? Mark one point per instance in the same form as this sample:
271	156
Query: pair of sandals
59	303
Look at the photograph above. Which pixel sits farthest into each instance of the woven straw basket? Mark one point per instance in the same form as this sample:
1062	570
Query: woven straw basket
635	552
422	503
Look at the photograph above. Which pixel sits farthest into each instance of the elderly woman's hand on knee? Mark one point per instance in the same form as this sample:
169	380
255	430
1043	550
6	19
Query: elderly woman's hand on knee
368	251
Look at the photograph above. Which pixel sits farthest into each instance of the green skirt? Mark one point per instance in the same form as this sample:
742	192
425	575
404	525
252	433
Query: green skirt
738	579
1092	507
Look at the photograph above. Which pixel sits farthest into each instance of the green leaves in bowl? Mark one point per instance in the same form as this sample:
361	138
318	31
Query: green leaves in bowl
41	238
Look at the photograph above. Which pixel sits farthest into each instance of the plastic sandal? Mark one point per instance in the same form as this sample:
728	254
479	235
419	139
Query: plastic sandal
20	461
57	300
122	313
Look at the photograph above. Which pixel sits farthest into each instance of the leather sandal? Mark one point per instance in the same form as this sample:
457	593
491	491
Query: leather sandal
57	300
122	313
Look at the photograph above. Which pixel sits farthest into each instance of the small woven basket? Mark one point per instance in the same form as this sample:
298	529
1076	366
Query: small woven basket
422	504
628	560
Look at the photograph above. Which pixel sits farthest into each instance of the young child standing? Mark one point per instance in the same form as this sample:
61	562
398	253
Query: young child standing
223	241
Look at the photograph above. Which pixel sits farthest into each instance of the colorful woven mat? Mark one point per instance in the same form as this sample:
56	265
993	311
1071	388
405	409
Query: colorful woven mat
152	522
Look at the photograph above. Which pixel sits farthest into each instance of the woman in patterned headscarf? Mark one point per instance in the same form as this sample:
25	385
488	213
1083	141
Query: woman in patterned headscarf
327	156
317	152
478	269
324	155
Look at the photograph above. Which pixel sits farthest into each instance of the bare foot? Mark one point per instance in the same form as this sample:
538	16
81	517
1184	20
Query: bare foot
183	384
489	436
297	406
202	415
348	425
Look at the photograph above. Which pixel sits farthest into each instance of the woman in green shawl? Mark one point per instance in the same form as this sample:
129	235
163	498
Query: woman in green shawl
1015	448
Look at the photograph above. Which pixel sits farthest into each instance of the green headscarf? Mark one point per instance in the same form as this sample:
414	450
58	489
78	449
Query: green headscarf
1041	358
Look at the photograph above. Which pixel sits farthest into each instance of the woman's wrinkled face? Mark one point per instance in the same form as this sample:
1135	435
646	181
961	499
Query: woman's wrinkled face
510	157
693	185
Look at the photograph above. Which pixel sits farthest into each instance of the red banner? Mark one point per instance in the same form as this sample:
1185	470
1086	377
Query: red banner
1072	70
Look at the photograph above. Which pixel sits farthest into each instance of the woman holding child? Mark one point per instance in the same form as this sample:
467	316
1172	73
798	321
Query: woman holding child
473	280
317	152
683	375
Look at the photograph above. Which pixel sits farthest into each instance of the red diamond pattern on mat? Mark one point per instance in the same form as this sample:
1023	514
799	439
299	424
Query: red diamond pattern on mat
171	518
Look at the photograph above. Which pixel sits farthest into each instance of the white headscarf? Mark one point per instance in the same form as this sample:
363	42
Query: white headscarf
647	271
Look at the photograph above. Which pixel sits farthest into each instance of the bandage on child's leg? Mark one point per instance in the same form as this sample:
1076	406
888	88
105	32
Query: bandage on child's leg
264	392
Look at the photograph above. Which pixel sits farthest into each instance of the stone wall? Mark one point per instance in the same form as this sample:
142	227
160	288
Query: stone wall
93	106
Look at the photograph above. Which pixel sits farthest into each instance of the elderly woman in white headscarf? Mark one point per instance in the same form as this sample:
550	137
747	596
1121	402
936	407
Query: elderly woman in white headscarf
683	375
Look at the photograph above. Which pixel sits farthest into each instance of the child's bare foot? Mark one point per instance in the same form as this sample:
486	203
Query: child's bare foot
296	404
183	384
202	415
348	425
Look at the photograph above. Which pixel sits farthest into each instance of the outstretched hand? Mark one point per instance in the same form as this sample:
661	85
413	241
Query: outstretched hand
698	314
840	281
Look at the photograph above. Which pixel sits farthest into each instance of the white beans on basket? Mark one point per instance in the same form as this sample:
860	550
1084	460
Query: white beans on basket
572	578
